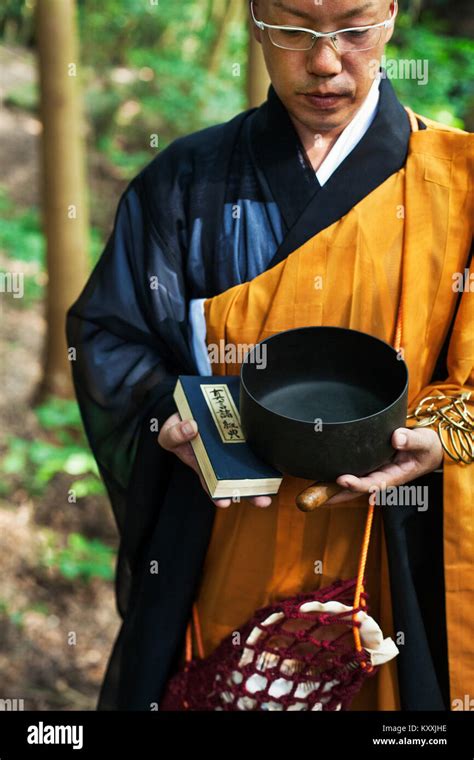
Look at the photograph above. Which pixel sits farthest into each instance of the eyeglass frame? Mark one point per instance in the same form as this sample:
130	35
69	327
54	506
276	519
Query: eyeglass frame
387	24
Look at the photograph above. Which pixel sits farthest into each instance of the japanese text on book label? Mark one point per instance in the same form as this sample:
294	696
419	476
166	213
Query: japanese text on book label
224	412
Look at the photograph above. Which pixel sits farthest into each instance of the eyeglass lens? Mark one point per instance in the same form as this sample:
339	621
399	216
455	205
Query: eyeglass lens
345	42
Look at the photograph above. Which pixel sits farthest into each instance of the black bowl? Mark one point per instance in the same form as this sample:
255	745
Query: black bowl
319	402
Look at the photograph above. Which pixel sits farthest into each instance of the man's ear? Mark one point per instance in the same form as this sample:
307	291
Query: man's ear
257	33
393	13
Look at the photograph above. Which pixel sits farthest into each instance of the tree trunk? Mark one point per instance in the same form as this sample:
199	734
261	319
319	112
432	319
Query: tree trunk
233	11
258	80
414	9
64	207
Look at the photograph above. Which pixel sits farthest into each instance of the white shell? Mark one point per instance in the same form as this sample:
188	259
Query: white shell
254	634
246	703
255	683
279	687
266	660
306	687
324	607
273	618
328	686
381	650
288	667
272	706
246	658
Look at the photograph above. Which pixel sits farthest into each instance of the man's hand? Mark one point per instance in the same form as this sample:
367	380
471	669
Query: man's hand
419	451
175	437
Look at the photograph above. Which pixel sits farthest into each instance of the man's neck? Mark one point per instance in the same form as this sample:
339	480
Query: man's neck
318	146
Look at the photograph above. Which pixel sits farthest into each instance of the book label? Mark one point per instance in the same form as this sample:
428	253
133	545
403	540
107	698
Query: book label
224	412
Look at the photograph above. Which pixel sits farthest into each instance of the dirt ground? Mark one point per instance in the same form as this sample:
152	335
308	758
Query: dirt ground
55	634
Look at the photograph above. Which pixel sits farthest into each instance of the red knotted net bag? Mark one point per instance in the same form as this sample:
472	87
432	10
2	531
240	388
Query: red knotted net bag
312	651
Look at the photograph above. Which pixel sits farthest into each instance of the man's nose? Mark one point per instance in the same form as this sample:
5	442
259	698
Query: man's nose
323	60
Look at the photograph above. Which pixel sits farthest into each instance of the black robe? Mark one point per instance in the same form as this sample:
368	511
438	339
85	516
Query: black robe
175	238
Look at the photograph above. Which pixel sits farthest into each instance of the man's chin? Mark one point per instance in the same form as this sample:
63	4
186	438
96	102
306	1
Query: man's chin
326	119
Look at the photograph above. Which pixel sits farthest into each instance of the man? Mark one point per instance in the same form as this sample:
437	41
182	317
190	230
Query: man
224	235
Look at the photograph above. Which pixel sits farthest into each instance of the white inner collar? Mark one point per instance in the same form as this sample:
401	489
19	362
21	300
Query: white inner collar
351	135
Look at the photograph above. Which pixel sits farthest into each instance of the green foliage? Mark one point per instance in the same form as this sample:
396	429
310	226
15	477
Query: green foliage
80	558
22	240
88	486
129	162
16	615
26	97
110	27
33	463
449	93
57	413
148	73
16	20
20	234
96	245
37	462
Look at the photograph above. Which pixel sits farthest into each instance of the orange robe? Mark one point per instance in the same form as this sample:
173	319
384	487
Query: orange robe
404	240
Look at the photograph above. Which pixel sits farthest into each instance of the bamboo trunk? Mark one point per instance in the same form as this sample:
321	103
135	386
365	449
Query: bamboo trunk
64	206
258	80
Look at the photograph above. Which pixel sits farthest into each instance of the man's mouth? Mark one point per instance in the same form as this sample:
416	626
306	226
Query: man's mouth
320	99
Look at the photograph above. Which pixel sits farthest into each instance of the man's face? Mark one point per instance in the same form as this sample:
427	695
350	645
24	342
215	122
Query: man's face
322	70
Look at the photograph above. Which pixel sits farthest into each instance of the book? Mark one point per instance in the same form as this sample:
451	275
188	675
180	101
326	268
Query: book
228	465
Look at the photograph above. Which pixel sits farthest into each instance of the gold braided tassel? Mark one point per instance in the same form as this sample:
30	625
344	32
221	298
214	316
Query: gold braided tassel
453	420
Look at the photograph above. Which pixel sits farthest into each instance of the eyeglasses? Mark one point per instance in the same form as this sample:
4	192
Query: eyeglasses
352	40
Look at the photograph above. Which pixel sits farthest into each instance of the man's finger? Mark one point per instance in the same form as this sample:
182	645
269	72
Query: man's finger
222	503
176	434
171	420
404	439
341	498
393	474
261	501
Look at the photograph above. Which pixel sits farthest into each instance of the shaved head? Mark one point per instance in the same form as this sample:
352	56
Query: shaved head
297	75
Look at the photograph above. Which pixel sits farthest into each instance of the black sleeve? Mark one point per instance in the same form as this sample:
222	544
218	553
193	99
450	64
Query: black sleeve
128	338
